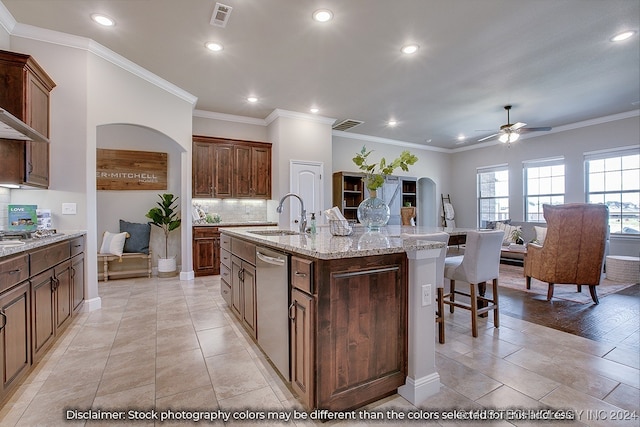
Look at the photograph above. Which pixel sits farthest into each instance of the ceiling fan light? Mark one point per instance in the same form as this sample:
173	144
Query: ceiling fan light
504	138
513	136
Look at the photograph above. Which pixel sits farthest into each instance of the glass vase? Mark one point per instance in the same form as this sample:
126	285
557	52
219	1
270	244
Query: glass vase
373	213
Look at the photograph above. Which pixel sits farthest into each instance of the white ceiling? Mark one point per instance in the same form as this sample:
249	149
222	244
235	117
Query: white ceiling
551	59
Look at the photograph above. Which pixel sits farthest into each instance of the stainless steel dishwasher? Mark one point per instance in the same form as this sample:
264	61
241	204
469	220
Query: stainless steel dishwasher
272	302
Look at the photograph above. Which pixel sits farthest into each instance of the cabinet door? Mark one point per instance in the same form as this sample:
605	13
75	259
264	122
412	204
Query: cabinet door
63	293
223	171
249	297
15	329
42	316
37	105
261	172
236	286
78	280
37	163
242	178
206	251
301	315
203	161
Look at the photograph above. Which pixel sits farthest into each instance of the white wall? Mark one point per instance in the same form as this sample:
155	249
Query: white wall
132	205
230	129
572	144
93	91
431	163
298	136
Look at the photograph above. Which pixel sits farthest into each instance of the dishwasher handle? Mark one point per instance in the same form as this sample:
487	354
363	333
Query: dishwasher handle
270	260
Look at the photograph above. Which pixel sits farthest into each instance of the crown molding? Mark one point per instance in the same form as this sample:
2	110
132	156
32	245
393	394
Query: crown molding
387	141
83	43
7	21
229	117
300	116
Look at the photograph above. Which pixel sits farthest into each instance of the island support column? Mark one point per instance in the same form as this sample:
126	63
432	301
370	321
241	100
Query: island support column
422	379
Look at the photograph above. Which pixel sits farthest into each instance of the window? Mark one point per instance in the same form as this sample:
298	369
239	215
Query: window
543	184
493	194
613	178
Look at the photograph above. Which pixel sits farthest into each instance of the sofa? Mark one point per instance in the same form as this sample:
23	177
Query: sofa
528	235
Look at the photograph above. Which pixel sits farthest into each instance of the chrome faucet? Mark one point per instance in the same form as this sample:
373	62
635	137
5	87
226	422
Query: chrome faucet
303	213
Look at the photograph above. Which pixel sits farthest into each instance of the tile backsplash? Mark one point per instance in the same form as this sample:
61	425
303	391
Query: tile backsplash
5	199
236	210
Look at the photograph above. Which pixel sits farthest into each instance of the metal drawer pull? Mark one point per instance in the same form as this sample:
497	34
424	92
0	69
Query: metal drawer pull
270	259
362	273
292	314
4	319
17	270
299	274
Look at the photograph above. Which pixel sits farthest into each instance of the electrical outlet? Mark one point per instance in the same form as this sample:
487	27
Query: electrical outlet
426	295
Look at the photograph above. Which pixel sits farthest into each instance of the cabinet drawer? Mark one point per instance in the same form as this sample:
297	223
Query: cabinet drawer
244	250
200	232
77	246
225	273
225	259
225	242
225	291
49	256
13	271
302	274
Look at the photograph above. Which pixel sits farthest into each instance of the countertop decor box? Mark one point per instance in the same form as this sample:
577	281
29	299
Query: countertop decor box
23	217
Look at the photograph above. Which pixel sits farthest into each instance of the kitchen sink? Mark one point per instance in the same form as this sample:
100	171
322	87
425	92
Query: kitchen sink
274	232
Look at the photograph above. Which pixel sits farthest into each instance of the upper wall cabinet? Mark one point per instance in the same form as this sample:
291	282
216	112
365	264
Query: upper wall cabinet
24	93
229	168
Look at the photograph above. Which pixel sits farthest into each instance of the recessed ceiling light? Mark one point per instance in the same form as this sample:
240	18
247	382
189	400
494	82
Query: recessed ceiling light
214	46
392	123
322	15
410	48
622	36
252	99
461	137
103	20
314	110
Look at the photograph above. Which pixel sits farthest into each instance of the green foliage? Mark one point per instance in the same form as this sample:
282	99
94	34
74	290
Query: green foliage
165	216
373	179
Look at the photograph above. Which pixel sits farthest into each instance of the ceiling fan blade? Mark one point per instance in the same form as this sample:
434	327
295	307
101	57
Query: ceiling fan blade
517	126
487	137
540	129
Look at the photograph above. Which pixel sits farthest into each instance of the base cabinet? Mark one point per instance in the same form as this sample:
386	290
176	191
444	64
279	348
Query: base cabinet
39	292
206	251
301	315
243	293
15	334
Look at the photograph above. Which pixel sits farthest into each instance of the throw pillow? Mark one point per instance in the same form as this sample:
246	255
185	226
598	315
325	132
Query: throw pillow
491	225
508	232
139	236
112	243
541	234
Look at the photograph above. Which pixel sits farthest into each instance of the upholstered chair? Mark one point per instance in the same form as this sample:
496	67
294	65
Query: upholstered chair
573	249
436	237
479	264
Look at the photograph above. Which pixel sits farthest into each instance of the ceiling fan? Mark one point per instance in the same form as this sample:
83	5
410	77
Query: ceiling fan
510	132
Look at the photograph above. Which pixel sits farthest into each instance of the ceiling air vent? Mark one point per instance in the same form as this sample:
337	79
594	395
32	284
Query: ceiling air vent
220	15
347	124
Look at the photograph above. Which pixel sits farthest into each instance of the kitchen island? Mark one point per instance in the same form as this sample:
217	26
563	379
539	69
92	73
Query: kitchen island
358	330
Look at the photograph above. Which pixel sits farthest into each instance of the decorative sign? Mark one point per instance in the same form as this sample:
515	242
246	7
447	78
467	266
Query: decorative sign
130	170
23	218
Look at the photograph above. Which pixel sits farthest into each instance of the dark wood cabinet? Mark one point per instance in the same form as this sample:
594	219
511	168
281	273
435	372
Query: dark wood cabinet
78	281
348	193
231	168
15	321
203	156
24	92
206	251
15	330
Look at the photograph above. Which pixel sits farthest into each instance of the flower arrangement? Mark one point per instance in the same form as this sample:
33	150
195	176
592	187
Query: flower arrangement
373	179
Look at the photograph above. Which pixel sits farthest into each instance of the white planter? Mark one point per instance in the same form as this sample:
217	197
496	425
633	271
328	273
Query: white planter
167	267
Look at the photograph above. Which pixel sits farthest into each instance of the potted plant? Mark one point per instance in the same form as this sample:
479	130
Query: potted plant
165	217
373	212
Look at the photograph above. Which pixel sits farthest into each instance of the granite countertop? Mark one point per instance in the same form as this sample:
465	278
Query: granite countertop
360	243
31	244
234	224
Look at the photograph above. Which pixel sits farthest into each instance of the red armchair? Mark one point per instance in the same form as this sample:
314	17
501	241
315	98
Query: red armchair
573	249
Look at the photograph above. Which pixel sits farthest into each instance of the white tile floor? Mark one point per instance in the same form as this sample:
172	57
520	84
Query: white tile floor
168	345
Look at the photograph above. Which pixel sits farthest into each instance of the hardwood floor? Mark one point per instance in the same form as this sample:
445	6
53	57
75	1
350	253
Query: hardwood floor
615	320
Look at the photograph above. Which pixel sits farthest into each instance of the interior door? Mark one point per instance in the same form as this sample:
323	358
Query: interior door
306	180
